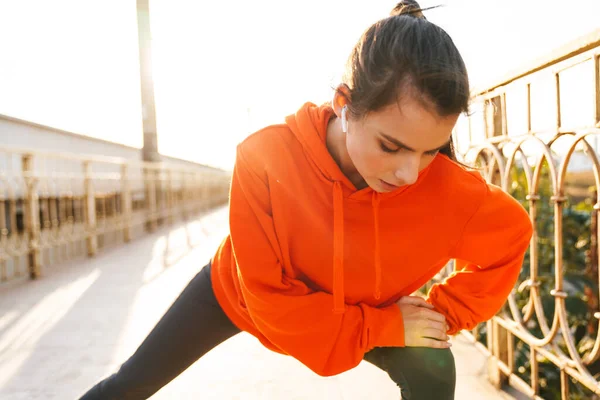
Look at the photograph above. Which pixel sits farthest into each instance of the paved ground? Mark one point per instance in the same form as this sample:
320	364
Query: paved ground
61	334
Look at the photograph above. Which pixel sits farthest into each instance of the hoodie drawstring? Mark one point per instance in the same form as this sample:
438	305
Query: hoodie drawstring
375	201
339	305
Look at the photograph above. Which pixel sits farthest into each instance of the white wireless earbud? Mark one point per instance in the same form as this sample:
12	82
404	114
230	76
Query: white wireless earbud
344	119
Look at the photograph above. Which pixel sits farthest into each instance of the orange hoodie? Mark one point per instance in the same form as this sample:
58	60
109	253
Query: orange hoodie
313	267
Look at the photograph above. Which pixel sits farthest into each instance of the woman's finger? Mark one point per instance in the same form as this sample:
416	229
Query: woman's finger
415	301
432	315
435	334
435	344
429	324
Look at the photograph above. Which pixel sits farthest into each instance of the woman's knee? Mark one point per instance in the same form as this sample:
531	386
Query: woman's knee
418	371
434	364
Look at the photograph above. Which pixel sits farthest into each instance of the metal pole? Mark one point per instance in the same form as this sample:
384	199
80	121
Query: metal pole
150	149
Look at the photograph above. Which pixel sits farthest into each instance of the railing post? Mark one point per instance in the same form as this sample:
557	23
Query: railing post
32	218
500	352
3	238
558	108
169	194
597	90
195	195
534	376
205	190
183	196
189	207
62	218
125	203
90	210
159	188
151	199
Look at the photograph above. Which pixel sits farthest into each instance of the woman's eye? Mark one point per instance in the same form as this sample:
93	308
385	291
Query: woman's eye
387	149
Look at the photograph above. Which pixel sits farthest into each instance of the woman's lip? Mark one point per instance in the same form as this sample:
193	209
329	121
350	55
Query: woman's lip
388	185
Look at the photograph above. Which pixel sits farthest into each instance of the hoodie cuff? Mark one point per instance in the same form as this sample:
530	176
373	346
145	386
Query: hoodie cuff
391	328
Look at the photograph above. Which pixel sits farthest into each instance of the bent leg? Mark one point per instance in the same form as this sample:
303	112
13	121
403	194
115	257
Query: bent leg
421	373
190	328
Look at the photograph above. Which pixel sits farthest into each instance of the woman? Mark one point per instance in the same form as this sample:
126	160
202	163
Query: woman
341	213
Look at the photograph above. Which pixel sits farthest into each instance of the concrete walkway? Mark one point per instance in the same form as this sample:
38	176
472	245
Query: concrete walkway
61	334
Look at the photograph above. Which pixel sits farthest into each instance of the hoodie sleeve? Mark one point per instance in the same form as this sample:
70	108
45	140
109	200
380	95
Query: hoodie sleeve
298	320
489	257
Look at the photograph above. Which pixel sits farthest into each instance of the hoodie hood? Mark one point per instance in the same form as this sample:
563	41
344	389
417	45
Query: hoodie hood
309	125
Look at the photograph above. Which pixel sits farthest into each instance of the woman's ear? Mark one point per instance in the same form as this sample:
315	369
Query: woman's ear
341	98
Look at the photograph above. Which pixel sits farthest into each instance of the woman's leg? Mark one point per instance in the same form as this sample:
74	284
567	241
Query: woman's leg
192	326
421	373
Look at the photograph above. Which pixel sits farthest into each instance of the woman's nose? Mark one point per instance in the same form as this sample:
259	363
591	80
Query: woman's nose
408	172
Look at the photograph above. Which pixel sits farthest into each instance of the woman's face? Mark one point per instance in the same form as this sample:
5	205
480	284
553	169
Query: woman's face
389	148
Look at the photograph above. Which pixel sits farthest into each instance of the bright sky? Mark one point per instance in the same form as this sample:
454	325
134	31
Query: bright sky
225	68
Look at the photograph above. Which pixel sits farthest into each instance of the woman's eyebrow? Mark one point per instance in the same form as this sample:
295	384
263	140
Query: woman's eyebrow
400	144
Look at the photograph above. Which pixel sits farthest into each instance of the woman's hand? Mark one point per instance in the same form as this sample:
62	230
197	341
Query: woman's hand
423	327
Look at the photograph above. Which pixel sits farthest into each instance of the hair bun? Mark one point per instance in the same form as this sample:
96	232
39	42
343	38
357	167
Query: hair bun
409	8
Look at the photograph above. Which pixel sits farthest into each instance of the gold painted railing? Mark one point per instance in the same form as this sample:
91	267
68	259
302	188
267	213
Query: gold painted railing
536	135
56	207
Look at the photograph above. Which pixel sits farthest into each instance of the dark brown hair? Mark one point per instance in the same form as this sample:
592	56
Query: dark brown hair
405	54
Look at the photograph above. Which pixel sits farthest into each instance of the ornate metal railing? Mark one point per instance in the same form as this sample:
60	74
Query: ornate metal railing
535	134
58	206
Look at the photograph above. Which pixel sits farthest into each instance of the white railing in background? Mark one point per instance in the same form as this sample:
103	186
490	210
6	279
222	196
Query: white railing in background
58	206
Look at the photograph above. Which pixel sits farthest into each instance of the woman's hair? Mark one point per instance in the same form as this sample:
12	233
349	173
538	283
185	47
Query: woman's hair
405	54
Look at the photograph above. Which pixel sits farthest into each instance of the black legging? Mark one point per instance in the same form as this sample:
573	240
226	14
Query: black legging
195	324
